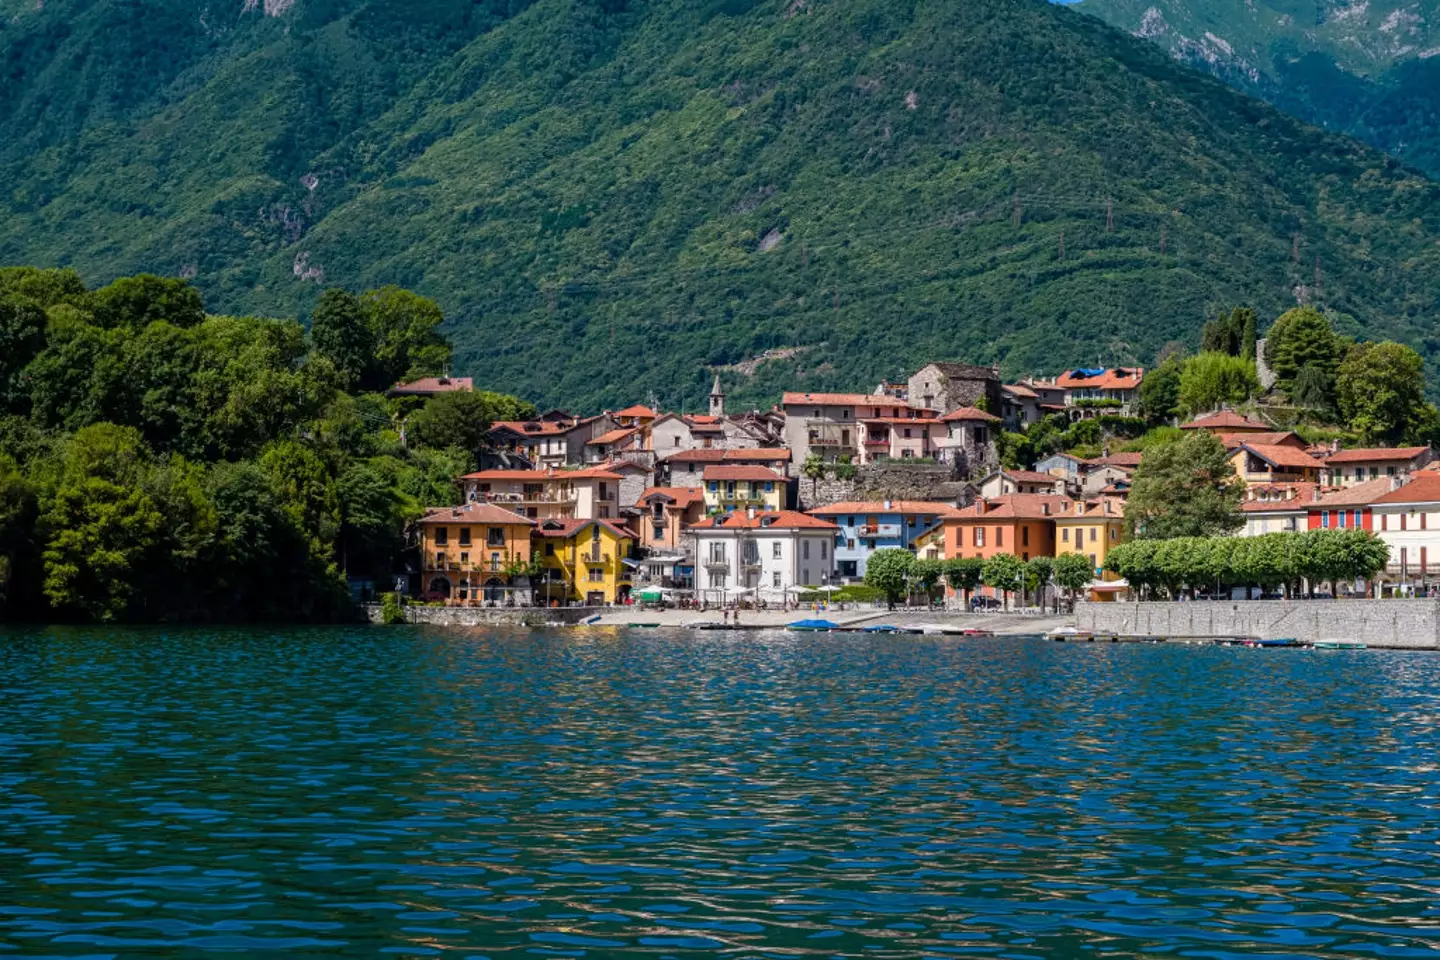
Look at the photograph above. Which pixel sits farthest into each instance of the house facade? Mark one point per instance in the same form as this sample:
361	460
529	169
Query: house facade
582	562
1269	464
550	441
687	468
473	554
1022	524
753	554
1407	518
731	487
968	441
1005	482
547	494
1346	468
830	424
1092	391
1091	528
1278	508
943	387
866	526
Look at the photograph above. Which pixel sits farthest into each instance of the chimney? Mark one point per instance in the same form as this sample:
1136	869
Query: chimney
1315	494
1107	506
1045	509
888	505
1396	483
455	512
750	513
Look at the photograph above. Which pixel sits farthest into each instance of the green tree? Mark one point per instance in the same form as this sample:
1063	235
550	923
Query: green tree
1185	488
342	335
1004	572
406	330
45	288
463	420
1300	338
18	512
963	574
1248	335
1073	573
1039	572
22	337
1381	392
888	571
925	576
1160	391
1210	381
813	469
144	299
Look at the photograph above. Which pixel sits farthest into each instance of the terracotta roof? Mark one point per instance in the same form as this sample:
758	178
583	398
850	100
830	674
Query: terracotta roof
1014	506
1030	476
1282	456
1300	495
763	519
753	455
1128	461
612	465
1093	509
1226	420
570	527
702	419
613	436
741	472
1020	390
1376	455
531	476
842	400
1423	488
639	410
1272	438
428	386
539	428
682	496
969	413
1116	378
1371	491
475	513
923	508
902	421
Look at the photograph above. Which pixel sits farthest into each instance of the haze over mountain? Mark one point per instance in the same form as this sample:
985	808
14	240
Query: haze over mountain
609	196
1367	67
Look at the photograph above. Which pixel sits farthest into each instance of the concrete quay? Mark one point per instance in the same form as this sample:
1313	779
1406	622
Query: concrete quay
1399	624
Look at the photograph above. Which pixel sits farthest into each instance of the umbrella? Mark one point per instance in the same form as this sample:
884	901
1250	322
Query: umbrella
651	594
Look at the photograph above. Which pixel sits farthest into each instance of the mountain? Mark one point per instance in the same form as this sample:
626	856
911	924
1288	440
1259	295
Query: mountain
610	197
1368	68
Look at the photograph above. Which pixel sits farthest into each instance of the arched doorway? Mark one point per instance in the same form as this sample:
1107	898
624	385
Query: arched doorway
440	587
494	591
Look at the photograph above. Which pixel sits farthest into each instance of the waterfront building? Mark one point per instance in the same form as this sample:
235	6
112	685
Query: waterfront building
475	553
1020	523
1407	518
1277	508
583	561
1347	508
866	526
1269	464
1091	528
765	555
548	494
730	486
669	552
1346	468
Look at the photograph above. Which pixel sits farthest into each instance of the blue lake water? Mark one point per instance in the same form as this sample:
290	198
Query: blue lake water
409	793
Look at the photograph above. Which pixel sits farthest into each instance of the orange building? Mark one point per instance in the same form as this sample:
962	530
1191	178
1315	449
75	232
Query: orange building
1018	523
472	554
668	511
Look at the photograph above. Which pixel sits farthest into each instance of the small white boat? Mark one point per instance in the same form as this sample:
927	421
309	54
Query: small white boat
936	629
1068	634
1339	645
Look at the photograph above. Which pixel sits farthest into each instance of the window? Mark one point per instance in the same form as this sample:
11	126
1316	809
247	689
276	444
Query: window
1340	519
805	549
1384	521
440	558
494	537
659	533
844	438
1324	519
905	454
1024	536
1094	534
717	553
775	578
464	536
849	521
775	549
769	486
979	536
494	563
442	536
1402	521
549	549
1422	520
849	544
1374	473
999	536
1389	471
714	486
464	557
824	550
1065	535
597	575
907	433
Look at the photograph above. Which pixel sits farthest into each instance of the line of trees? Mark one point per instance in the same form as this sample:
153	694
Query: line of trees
898	574
1275	561
158	463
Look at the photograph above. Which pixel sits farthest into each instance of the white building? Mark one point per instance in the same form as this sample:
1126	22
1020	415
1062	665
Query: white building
761	555
830	424
1408	519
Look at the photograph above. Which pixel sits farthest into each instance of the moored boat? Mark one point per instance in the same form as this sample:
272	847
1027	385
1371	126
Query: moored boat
812	626
1069	635
1332	644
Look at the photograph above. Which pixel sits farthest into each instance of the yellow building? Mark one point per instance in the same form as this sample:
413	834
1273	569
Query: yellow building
930	545
582	561
469	554
729	488
1091	528
1271	463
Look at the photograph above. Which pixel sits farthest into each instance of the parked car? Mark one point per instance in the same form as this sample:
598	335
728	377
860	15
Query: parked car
985	603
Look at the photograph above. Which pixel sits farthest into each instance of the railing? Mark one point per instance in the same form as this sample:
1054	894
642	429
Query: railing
569	496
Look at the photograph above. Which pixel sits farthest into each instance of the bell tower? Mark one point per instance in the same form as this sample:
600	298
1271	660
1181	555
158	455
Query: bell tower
717	399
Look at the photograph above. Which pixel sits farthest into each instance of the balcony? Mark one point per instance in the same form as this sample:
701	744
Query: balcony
564	496
717	563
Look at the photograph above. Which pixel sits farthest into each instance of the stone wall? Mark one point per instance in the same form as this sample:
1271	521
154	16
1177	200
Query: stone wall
489	616
890	480
1379	623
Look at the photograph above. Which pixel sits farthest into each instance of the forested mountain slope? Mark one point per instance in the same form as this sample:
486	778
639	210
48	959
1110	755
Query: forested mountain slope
607	196
1367	68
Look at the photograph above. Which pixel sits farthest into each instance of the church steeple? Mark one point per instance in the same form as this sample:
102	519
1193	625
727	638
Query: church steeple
717	399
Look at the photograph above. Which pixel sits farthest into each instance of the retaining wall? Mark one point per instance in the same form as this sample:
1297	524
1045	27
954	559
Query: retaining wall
1379	623
490	616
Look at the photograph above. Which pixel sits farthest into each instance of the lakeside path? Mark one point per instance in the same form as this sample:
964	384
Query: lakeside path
1002	624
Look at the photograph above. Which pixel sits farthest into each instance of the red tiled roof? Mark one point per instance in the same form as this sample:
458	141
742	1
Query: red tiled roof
1014	506
538	428
427	386
754	455
1282	456
531	476
613	436
969	413
702	419
1273	438
1300	496
570	527
923	508
1376	455
475	513
1091	509
1116	378
902	421
1020	390
842	400
766	519
1125	460
1226	420
1359	495
1424	487
741	472
1030	476
682	496
639	411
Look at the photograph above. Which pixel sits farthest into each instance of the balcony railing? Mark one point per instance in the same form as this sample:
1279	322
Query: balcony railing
567	496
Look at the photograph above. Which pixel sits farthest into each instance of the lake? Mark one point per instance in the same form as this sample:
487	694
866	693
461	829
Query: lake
402	792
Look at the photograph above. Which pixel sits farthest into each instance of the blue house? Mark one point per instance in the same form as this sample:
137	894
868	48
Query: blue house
870	526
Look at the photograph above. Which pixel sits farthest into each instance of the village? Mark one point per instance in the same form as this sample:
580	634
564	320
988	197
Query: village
780	506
